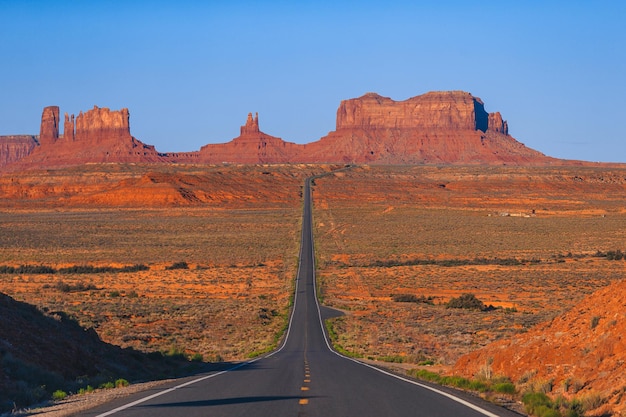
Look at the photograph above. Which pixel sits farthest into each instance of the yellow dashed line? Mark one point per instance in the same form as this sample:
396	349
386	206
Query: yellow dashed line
304	389
307	380
304	401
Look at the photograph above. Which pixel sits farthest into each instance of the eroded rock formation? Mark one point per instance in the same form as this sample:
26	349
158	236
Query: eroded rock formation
49	130
447	110
15	147
450	127
98	135
251	147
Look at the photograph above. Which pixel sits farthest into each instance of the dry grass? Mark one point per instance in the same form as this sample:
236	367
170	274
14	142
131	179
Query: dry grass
242	257
407	217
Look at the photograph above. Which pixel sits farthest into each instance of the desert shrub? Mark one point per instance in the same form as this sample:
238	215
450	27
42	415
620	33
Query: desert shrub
456	381
480	386
87	390
135	268
34	269
90	269
59	395
540	405
196	357
121	382
107	385
392	358
64	287
595	320
85	269
504	388
467	301
425	375
177	265
615	255
412	298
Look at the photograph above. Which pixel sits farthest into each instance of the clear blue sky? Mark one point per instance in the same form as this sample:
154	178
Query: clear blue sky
190	71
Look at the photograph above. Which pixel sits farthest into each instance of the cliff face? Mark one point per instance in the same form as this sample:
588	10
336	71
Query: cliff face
435	128
15	147
49	130
449	110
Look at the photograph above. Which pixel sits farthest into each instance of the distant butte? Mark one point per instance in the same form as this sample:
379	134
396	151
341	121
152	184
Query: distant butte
449	127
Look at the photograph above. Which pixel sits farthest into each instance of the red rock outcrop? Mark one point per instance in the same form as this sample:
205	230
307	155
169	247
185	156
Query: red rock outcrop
580	352
448	110
68	128
434	128
251	147
49	131
15	147
98	135
450	127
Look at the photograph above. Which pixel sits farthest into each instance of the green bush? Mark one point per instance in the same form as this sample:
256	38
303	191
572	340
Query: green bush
121	382
539	404
87	390
425	375
392	358
59	395
479	386
456	381
504	388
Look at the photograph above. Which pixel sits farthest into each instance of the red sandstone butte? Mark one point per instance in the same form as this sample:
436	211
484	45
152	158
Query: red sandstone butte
449	127
251	147
98	135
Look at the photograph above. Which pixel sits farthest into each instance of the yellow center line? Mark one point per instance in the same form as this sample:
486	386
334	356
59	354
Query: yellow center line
304	389
304	401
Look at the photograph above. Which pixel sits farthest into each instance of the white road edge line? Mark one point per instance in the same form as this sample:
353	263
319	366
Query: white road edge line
445	394
241	365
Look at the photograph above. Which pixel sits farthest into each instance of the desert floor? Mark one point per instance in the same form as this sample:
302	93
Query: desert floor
218	252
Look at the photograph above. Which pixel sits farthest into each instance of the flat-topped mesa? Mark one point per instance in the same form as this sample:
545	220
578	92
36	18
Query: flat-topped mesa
434	111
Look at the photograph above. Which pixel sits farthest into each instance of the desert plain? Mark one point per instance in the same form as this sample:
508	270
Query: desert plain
211	251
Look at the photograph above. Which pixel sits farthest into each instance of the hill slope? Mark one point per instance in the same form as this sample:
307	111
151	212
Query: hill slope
42	352
582	352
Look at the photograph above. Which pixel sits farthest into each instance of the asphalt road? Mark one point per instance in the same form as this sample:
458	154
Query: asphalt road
304	377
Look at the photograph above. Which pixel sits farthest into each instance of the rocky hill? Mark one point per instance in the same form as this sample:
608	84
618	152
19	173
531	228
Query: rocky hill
449	127
41	352
580	353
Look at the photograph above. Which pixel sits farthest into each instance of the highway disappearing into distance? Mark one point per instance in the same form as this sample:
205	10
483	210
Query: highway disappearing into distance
304	377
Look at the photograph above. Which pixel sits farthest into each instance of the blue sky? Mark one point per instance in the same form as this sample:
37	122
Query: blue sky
189	72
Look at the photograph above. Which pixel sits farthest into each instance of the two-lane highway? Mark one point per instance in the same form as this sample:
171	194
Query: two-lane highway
304	377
